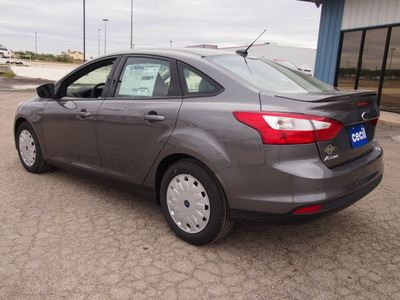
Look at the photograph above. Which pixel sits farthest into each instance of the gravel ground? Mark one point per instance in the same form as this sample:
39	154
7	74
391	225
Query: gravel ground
64	236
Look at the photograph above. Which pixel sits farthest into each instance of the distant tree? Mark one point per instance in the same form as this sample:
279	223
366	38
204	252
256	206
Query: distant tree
63	57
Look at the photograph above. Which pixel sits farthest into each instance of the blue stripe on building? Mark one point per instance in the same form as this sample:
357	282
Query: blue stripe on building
328	40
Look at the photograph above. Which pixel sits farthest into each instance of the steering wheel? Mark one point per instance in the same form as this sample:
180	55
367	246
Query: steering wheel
93	93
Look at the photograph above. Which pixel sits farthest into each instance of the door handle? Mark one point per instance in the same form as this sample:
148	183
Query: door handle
154	118
84	114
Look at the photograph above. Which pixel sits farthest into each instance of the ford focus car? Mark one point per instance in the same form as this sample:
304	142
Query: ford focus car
215	137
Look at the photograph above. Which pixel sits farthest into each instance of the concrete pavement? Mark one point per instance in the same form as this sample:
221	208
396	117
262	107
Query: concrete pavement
390	118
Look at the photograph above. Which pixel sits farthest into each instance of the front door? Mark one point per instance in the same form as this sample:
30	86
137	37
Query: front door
69	123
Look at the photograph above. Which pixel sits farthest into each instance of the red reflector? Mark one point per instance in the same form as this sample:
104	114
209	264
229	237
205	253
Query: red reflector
375	121
363	103
308	209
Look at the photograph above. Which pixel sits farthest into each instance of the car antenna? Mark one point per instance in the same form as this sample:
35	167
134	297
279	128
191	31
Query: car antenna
244	52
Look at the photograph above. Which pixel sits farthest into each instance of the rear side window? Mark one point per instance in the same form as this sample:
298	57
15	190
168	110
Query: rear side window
144	78
197	84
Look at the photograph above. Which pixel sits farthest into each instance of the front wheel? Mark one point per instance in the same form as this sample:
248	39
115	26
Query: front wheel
29	150
193	203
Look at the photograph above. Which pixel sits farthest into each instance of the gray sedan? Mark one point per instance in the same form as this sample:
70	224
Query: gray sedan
214	137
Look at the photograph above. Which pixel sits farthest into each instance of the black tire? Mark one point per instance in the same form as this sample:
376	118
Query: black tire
217	222
26	138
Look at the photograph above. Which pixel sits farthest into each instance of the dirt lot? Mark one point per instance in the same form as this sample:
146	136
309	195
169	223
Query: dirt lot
64	236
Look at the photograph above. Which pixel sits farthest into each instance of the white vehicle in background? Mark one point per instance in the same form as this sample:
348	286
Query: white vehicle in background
13	61
7	57
5	52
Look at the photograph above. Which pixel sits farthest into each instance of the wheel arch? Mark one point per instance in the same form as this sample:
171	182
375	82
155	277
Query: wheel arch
164	164
168	161
18	123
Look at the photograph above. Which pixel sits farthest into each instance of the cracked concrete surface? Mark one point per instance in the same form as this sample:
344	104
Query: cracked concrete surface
65	236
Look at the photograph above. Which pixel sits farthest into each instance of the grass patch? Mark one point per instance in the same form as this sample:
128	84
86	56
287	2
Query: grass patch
9	74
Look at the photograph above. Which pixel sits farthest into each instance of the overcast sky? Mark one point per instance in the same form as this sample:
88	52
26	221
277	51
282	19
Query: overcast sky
59	24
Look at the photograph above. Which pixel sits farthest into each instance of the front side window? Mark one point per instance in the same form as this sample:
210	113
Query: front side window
91	83
270	76
144	78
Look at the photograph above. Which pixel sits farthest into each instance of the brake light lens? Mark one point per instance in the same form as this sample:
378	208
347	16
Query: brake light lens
363	103
289	128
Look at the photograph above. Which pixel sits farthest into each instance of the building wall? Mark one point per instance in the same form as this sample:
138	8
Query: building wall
359	46
367	13
328	40
76	55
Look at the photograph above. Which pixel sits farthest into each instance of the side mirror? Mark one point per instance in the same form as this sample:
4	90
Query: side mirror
45	90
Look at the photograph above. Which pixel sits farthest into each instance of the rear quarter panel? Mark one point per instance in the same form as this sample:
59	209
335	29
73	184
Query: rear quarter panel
207	130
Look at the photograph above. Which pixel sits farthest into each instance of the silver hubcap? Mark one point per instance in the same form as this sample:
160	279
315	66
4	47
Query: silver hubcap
188	203
27	148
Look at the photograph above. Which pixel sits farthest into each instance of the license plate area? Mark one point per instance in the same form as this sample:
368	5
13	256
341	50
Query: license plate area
358	135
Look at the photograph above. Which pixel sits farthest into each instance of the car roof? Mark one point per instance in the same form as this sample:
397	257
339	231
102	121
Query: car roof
183	53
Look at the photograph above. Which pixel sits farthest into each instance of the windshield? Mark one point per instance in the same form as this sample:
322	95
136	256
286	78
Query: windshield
271	76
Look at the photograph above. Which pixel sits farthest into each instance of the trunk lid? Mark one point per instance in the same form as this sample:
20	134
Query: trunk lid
356	110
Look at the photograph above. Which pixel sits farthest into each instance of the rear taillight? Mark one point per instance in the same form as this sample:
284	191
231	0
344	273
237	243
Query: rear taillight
289	128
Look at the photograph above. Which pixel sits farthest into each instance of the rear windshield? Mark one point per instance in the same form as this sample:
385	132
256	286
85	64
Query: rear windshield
271	76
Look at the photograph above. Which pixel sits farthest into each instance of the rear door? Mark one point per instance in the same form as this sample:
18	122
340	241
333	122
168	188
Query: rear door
137	118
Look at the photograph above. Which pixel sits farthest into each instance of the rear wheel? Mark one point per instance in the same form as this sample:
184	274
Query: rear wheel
29	150
194	203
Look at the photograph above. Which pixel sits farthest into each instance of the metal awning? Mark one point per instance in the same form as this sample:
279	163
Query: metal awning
317	2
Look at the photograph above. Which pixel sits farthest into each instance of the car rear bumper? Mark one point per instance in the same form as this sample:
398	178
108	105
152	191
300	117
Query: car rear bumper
275	190
327	208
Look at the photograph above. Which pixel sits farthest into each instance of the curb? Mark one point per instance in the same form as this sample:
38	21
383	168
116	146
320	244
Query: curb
389	123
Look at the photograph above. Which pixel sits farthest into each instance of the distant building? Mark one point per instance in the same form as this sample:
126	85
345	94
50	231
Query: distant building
359	47
76	55
204	46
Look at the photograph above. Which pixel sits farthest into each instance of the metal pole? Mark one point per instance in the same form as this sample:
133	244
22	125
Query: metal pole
84	45
131	24
35	45
105	35
391	57
98	46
